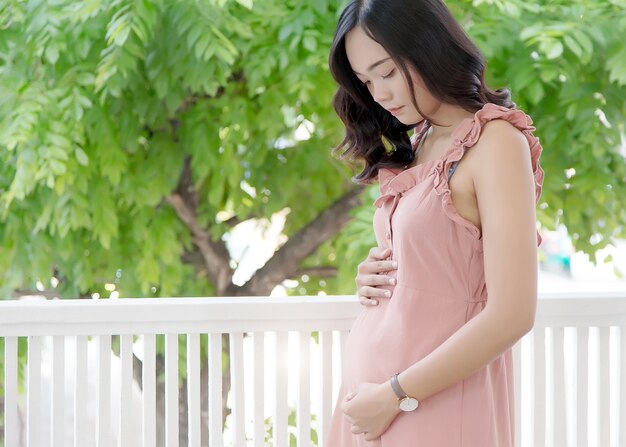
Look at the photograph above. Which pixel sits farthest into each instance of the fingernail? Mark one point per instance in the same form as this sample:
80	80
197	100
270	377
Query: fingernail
395	265
392	280
387	293
374	303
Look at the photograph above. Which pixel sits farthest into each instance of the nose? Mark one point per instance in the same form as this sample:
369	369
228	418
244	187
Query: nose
380	92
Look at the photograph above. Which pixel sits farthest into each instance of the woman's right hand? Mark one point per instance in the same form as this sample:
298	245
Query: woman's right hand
371	274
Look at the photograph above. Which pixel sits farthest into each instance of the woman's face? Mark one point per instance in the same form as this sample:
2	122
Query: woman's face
384	80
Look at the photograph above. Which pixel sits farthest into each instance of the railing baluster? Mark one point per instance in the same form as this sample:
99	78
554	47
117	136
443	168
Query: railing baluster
126	390
582	386
103	423
215	390
604	391
559	409
259	388
281	382
517	389
614	385
171	390
524	434
237	388
11	422
621	403
80	393
549	405
304	391
33	416
539	408
326	353
149	390
58	391
193	389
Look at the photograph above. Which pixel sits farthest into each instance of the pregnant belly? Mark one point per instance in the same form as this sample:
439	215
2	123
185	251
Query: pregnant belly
392	336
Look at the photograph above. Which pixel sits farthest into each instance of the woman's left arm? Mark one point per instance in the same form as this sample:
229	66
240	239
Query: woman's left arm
505	192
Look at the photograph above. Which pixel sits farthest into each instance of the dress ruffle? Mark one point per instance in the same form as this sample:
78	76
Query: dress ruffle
394	182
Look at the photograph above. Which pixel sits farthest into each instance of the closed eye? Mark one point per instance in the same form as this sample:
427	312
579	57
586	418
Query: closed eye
387	76
390	74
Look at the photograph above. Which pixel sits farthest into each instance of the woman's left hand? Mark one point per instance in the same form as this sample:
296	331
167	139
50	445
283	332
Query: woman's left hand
371	409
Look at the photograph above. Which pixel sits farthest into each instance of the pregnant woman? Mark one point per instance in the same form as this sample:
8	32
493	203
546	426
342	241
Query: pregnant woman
452	283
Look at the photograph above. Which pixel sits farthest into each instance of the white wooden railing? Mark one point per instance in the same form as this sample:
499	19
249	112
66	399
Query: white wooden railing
570	370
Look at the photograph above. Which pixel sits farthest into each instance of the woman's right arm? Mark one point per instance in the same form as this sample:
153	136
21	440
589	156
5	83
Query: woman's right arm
372	273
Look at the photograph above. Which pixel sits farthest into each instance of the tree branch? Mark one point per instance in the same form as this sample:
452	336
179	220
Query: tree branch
284	264
195	258
215	255
234	221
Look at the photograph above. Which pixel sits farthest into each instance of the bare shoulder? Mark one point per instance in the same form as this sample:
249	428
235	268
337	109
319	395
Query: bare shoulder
501	163
501	145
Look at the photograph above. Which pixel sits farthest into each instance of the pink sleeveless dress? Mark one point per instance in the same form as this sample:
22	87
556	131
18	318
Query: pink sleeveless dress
440	286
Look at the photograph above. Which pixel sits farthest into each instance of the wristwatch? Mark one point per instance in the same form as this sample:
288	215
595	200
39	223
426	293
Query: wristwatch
407	403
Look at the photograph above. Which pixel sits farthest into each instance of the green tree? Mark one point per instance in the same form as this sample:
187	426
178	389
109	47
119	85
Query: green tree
136	134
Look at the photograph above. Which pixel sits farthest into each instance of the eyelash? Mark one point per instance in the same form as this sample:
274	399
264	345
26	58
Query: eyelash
391	73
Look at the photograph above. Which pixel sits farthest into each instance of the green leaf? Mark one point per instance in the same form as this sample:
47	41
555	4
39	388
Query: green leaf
81	156
57	167
246	3
573	45
585	43
52	53
616	65
310	43
552	48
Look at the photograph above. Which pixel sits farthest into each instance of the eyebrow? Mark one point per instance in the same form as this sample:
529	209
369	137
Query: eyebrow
375	64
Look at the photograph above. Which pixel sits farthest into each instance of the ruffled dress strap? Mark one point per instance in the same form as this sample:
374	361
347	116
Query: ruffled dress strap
466	135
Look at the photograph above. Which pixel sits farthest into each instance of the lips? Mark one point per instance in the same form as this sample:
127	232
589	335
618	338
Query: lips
395	110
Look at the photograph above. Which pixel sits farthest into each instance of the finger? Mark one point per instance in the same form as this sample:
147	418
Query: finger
375	280
374	292
368	301
377	266
355	429
371	436
379	253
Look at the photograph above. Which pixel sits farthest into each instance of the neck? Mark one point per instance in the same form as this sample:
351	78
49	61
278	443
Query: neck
447	117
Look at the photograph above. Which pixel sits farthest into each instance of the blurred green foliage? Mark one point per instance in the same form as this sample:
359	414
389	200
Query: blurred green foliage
102	101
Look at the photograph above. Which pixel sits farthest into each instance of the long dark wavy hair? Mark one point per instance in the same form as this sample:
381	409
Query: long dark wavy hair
418	34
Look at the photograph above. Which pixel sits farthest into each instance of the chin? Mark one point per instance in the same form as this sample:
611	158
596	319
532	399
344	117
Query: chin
410	120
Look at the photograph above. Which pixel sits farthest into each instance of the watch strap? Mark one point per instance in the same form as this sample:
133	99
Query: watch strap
395	385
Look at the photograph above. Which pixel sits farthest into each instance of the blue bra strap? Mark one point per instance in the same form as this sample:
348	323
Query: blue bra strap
452	169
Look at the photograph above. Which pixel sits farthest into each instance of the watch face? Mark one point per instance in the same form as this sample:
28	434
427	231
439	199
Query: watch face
408	404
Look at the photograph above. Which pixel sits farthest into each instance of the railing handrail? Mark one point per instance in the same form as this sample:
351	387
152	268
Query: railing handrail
176	315
237	314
